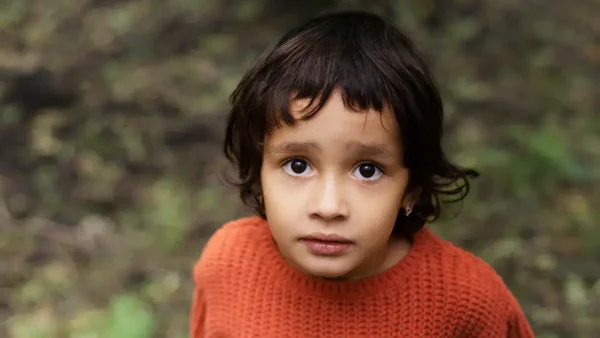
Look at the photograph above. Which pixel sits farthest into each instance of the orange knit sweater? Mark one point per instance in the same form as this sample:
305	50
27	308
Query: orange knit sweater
245	289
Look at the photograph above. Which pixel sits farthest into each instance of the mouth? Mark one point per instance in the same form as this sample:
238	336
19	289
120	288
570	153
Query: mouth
326	244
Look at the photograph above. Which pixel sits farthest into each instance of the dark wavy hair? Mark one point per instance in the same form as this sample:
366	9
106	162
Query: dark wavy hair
372	64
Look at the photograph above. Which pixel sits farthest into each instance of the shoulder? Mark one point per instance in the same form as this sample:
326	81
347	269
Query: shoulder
484	303
460	265
227	247
478	278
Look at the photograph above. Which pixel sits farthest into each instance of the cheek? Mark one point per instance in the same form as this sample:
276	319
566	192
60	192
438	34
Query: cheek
278	194
267	187
280	206
380	217
379	207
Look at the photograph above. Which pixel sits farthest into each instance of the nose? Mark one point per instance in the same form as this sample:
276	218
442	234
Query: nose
329	202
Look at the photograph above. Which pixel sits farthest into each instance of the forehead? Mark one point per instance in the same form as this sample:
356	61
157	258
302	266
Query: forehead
335	123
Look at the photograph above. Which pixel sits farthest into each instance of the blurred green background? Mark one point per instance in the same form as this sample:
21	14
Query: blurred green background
111	120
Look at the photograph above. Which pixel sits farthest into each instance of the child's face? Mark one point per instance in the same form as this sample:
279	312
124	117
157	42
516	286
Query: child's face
338	173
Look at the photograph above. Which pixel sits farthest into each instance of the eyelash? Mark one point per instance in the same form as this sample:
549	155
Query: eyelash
368	181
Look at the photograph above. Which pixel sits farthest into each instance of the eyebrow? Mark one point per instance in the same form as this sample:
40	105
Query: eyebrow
363	149
371	149
294	147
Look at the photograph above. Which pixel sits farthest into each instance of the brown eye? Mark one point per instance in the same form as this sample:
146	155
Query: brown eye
297	167
367	172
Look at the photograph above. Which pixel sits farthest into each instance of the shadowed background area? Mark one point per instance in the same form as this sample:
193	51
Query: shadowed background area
111	121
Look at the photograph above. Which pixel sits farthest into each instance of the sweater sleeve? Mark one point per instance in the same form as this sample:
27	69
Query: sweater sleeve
204	276
198	310
518	325
197	313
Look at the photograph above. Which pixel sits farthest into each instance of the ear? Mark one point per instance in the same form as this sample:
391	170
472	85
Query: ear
411	199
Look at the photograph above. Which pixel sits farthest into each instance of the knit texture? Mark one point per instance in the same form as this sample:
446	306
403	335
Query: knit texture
245	289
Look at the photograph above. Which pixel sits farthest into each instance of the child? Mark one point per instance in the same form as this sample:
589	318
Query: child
336	134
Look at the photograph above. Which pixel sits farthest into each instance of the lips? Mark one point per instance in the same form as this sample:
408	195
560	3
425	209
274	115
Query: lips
326	244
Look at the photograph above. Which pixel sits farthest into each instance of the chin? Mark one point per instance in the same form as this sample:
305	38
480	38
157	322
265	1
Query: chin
327	271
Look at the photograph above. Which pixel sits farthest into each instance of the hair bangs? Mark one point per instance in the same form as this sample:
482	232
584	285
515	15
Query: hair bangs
312	67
